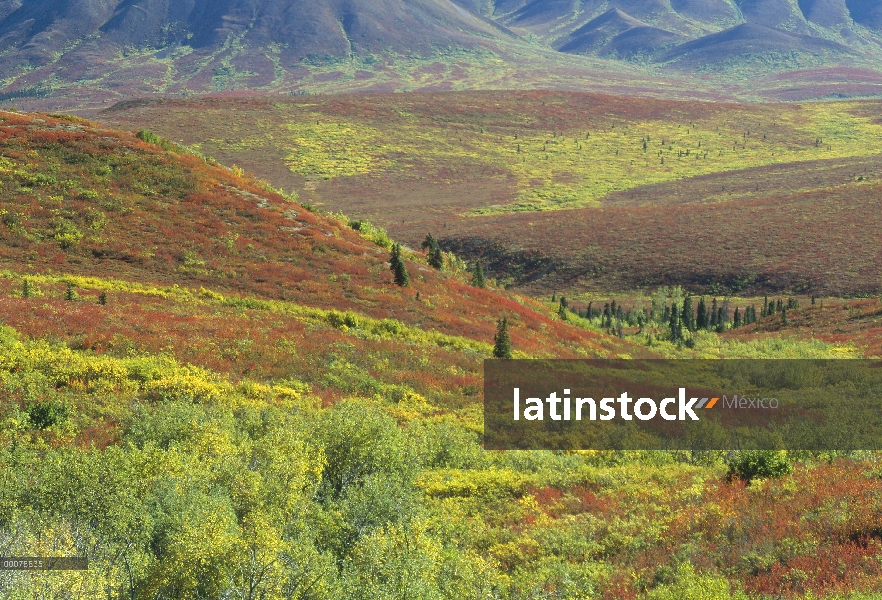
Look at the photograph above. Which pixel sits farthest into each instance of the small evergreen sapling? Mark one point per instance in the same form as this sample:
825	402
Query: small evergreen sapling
396	264
435	257
502	341
478	276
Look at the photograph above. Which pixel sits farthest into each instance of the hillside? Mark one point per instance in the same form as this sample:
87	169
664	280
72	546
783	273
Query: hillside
647	179
90	53
750	30
211	391
84	201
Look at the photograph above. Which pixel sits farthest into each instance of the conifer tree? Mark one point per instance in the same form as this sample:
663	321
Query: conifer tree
766	311
102	299
26	290
429	242
736	323
502	341
688	315
396	264
478	276
674	324
70	294
562	312
701	319
714	314
436	258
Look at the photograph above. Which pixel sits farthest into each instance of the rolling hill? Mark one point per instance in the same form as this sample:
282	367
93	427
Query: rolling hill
93	203
575	192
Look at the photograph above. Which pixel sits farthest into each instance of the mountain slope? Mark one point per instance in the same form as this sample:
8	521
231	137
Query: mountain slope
304	27
749	40
93	52
585	27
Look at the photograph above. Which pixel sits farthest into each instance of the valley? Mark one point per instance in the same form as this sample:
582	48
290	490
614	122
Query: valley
574	192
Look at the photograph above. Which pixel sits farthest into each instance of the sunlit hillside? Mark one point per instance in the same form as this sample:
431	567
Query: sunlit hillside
575	192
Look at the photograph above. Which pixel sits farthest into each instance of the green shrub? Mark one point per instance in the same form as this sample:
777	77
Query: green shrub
43	415
685	584
754	464
145	135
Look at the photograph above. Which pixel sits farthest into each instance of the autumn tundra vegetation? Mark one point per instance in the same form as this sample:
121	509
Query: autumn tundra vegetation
574	193
213	390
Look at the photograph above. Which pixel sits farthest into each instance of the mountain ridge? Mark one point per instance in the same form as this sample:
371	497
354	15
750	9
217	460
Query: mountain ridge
108	50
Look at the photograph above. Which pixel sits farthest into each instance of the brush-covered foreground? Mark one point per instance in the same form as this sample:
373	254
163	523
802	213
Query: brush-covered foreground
213	392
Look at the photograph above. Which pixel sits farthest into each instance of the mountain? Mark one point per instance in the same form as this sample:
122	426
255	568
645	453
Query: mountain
304	27
575	27
618	34
94	52
749	39
135	46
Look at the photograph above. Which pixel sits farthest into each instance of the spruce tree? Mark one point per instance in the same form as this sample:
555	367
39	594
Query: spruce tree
478	276
562	312
736	323
501	341
70	294
674	324
26	290
102	299
396	264
429	242
714	314
436	258
688	315
701	319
